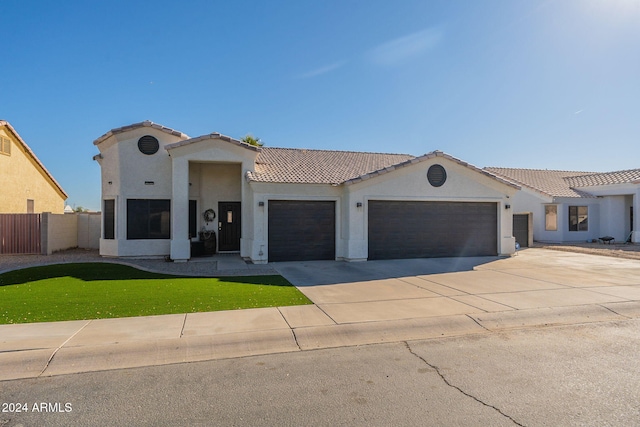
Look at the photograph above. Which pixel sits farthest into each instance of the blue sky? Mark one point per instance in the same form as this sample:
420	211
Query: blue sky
532	84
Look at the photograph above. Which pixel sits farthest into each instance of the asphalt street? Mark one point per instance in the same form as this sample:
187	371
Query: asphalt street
586	374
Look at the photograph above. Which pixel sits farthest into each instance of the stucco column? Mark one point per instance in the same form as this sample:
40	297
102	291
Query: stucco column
180	244
636	217
506	241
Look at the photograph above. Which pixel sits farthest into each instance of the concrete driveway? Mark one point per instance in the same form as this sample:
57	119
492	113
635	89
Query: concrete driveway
419	288
355	303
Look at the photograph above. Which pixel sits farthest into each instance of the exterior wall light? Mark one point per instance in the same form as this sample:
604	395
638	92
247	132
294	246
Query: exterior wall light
507	206
260	203
359	205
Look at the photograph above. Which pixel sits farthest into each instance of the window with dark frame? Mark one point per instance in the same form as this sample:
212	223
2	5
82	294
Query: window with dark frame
148	219
109	219
578	218
193	219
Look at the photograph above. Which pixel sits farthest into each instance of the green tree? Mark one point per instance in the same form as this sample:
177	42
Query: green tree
251	140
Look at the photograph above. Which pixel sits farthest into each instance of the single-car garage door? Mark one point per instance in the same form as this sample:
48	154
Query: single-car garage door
408	229
302	230
521	229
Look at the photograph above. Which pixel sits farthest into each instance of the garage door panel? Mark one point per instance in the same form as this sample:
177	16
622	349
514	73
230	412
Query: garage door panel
521	229
301	230
404	229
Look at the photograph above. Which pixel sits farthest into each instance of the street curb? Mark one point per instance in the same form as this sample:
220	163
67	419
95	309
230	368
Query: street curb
352	334
549	316
33	363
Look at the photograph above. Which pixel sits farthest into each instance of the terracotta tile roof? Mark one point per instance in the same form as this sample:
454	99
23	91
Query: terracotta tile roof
34	157
617	177
552	183
146	123
302	166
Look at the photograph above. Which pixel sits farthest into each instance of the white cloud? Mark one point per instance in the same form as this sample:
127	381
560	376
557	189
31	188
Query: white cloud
400	49
322	70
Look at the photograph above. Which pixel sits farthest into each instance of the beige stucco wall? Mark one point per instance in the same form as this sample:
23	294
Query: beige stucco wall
257	242
211	183
23	179
208	171
410	183
214	164
211	170
129	174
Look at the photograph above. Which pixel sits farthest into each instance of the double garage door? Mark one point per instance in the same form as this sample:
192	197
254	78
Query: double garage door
306	230
406	229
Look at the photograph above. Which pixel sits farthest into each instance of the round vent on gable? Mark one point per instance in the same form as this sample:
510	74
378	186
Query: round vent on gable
148	145
436	175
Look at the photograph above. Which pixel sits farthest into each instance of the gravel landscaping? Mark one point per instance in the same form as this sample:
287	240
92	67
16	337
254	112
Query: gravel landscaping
218	265
618	250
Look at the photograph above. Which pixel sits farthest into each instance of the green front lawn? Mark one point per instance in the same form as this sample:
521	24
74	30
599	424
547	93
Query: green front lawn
103	290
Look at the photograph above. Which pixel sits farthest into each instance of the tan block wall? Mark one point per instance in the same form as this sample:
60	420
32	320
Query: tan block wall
22	179
67	231
89	229
59	232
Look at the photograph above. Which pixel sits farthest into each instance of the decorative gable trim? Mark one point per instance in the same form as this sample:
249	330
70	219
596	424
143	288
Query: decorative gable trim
146	123
214	135
431	155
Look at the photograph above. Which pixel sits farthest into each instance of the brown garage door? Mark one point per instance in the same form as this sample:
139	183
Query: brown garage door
405	229
301	230
521	229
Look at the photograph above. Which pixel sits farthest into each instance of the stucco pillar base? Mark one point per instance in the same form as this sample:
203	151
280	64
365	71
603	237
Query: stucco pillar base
180	250
635	237
508	246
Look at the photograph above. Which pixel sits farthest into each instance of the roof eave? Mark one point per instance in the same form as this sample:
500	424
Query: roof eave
57	186
423	158
146	123
214	135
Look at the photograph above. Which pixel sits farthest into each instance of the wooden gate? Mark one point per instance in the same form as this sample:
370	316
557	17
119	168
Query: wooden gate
20	233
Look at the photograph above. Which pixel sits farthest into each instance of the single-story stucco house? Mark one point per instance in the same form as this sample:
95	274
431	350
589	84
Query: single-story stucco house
569	206
165	194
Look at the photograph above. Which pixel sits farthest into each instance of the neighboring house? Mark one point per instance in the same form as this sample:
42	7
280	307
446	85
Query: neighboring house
162	191
27	186
577	206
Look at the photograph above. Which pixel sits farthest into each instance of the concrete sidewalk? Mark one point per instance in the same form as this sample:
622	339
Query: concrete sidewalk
355	304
